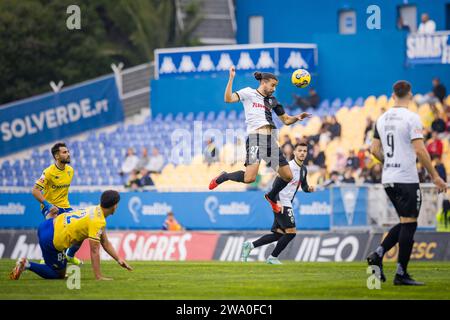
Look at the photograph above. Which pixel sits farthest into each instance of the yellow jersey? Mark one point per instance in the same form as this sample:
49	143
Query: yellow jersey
75	226
55	184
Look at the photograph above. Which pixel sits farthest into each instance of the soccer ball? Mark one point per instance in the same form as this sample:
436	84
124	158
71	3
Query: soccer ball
301	78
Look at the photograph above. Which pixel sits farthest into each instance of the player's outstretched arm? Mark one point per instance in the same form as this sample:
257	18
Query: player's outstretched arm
376	149
425	160
288	120
229	96
108	247
95	259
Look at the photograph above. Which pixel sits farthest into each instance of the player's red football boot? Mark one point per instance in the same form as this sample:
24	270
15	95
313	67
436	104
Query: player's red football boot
213	184
18	269
275	207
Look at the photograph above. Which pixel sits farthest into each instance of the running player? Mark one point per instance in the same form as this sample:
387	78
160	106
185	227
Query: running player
57	234
398	142
52	190
261	141
283	228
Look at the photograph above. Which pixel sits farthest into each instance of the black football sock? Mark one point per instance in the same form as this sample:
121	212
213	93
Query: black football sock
389	241
282	243
266	239
405	242
237	176
277	186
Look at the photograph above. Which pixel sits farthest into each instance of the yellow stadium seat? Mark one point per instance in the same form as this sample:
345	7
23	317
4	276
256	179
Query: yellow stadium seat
382	102
370	101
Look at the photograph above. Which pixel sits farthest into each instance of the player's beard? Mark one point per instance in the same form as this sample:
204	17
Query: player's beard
66	161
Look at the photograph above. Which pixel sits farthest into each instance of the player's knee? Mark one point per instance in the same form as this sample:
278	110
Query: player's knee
407	220
250	178
61	274
291	231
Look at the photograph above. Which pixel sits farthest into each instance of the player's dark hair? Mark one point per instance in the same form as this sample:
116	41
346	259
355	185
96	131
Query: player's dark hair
264	76
55	148
109	199
301	144
401	88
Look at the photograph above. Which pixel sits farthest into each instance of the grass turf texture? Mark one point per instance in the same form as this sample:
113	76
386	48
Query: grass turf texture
224	280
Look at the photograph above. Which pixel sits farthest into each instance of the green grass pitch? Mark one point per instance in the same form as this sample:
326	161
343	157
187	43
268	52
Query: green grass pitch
226	280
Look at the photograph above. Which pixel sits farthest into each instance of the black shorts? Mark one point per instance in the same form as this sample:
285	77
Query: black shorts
264	147
406	198
283	220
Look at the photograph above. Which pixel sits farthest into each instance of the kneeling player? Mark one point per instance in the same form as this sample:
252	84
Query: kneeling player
283	229
57	234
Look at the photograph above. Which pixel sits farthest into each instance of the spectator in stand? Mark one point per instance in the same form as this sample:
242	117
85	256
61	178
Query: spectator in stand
288	151
375	173
171	224
311	101
437	94
334	128
318	156
364	176
368	132
440	168
340	162
438	123
145	179
403	25
130	162
287	140
133	182
335	179
156	162
143	161
352	161
362	157
427	25
348	176
323	176
435	146
439	91
210	153
447	118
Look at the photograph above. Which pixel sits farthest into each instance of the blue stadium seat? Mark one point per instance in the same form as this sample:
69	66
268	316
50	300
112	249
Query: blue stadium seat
211	116
168	117
200	116
336	103
221	115
189	117
158	117
232	115
242	115
179	117
359	102
348	103
324	104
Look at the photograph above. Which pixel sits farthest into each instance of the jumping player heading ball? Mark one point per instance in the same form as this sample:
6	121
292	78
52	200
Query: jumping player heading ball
261	141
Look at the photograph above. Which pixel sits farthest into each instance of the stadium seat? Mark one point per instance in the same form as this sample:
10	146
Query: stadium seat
325	104
359	102
348	102
200	116
336	103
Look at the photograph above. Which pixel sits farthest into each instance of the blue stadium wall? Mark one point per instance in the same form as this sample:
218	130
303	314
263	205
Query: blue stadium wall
362	64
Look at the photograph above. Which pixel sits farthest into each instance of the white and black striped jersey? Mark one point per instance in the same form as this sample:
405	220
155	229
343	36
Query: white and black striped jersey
299	179
396	129
258	109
